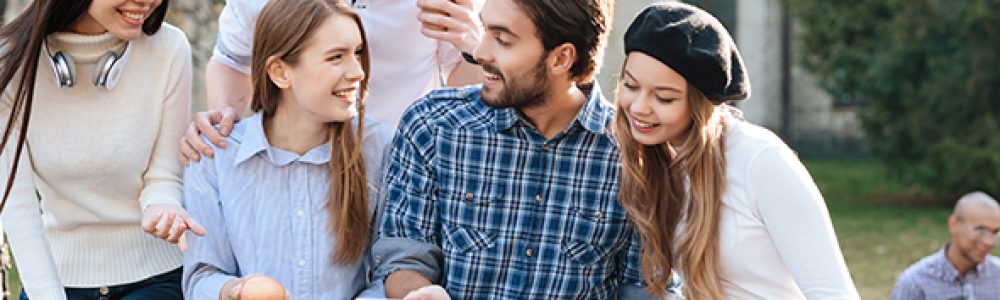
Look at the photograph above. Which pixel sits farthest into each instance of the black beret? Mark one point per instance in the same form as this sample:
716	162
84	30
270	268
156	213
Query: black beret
693	43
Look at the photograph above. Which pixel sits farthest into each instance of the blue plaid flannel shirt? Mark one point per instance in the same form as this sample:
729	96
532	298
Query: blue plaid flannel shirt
482	203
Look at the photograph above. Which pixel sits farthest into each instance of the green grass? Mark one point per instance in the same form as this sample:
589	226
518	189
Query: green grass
879	234
15	284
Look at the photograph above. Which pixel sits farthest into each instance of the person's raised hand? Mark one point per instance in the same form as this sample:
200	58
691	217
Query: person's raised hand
452	21
193	147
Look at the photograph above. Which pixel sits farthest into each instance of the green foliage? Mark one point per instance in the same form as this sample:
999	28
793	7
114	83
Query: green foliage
930	72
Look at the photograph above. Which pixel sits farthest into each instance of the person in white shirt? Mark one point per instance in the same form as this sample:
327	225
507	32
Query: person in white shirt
96	94
414	45
722	201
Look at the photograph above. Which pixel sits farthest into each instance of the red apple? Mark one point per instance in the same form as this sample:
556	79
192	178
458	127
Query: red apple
262	288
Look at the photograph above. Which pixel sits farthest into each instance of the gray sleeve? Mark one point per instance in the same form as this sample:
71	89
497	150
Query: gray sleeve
394	253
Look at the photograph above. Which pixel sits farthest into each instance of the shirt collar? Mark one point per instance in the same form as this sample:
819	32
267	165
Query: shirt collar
947	270
254	141
593	116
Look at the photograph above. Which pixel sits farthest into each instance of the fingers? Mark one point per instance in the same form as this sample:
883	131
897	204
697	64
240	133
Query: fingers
188	154
182	243
229	118
451	22
234	293
164	225
441	35
194	226
450	7
149	224
205	121
466	3
448	23
176	230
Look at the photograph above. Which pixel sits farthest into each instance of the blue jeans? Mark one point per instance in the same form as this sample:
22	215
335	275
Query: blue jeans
166	286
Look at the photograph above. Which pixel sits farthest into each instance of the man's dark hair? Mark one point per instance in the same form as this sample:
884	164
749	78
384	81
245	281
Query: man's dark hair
582	23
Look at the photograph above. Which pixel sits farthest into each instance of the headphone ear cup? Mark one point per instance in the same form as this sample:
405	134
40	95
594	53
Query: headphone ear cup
104	67
64	69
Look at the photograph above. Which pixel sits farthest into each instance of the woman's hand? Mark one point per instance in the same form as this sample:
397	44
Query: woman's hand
169	222
254	287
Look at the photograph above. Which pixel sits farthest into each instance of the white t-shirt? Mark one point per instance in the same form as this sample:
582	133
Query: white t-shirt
777	240
405	64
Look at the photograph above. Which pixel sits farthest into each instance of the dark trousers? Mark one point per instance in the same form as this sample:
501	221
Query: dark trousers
166	286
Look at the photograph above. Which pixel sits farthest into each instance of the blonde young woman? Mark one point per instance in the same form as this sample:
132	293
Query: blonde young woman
721	201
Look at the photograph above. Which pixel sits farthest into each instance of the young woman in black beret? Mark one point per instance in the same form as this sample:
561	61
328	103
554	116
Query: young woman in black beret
722	201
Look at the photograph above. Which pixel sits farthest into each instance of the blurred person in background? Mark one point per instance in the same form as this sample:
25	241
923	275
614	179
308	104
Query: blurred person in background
963	268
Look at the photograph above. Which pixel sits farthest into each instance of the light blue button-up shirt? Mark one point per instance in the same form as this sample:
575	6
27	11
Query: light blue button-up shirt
264	209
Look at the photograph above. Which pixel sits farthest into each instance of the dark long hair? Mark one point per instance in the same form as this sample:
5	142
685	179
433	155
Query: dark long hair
22	44
282	30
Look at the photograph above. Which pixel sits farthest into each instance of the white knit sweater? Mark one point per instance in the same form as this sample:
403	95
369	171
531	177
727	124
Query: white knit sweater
97	158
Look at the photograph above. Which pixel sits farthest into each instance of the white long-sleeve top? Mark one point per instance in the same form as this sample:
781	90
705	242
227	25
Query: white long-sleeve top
777	240
97	158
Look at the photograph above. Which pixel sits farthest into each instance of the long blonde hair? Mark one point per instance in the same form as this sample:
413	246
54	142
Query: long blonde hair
282	30
653	192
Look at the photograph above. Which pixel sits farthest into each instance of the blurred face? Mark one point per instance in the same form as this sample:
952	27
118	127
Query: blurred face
974	234
323	84
512	57
654	99
123	18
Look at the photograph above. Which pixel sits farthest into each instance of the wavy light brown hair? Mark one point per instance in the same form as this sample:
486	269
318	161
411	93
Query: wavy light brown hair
22	40
653	192
282	30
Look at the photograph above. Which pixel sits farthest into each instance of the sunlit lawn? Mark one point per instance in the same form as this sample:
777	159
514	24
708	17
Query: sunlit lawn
15	284
879	237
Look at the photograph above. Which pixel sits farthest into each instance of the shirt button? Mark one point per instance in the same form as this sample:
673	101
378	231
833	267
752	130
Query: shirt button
538	198
599	216
300	213
546	147
528	252
302	263
469	196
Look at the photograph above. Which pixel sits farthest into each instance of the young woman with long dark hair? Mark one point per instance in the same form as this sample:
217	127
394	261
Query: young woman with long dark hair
96	94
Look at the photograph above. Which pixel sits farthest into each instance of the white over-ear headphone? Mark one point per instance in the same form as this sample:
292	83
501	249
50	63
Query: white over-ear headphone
106	74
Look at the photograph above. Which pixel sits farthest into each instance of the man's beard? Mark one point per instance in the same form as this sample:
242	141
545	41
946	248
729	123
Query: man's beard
520	92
